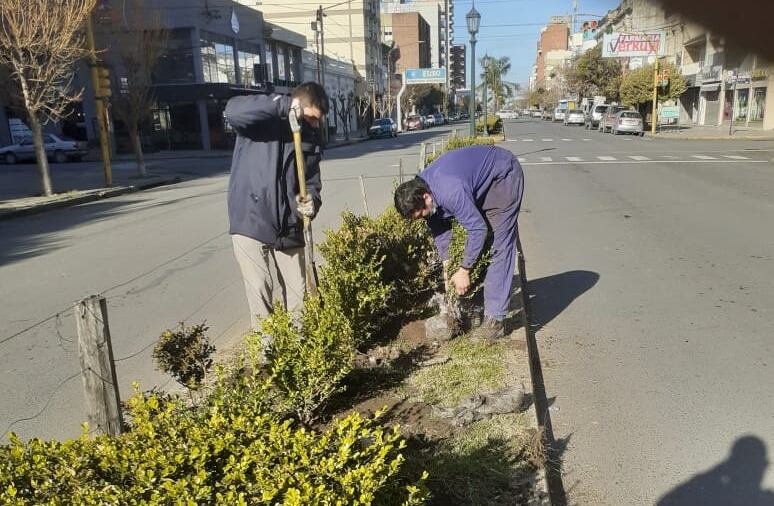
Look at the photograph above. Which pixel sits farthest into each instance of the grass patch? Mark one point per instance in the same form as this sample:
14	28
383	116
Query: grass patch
474	367
491	462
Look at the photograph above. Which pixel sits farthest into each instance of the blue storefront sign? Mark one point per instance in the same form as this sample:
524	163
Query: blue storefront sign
425	76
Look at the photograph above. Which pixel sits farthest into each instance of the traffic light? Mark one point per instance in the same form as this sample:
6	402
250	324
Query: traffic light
104	88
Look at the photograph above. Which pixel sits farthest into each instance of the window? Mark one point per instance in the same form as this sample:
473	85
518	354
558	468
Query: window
269	64
176	63
217	59
281	61
247	62
293	61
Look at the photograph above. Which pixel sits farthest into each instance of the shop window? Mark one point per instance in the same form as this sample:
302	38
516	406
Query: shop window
270	75
281	62
176	63
217	59
758	104
247	62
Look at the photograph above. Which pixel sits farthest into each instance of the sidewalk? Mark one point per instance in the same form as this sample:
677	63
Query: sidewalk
84	182
714	133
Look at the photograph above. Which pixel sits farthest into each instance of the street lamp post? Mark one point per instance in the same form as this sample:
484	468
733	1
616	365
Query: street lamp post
486	102
474	19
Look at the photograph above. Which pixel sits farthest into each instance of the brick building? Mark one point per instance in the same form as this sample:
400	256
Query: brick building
554	39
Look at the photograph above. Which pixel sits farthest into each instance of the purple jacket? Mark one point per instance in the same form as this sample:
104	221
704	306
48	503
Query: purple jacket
459	181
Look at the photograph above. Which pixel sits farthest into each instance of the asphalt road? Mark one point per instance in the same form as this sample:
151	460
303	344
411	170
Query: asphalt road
651	264
160	257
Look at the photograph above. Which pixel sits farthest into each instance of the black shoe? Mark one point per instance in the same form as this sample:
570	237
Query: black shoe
490	330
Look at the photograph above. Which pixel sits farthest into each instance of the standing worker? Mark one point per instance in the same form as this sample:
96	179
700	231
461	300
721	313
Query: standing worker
481	187
265	209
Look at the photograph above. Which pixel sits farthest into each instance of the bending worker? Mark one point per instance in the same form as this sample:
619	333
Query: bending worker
481	187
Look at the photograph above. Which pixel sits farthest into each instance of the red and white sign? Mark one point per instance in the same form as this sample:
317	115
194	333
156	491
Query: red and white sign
624	45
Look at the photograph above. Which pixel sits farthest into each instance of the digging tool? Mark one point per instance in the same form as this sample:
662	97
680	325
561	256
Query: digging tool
311	275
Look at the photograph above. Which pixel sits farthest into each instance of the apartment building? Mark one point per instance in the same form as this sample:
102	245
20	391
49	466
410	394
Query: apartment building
458	66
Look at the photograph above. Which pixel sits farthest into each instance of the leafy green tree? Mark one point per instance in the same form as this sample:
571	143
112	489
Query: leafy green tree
637	86
493	71
590	74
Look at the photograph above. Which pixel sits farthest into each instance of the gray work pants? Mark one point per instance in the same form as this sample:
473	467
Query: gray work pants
269	275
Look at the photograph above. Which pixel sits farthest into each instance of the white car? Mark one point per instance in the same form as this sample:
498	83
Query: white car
574	117
559	114
58	149
430	120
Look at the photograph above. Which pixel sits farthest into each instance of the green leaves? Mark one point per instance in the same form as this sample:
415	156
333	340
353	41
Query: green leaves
185	354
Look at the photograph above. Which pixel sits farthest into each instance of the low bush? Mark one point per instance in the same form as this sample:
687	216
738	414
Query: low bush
231	451
307	360
459	239
185	354
459	142
494	125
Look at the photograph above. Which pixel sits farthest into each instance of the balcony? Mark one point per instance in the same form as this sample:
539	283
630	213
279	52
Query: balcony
691	69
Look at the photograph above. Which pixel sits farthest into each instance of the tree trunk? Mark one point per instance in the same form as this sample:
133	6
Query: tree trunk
40	155
134	134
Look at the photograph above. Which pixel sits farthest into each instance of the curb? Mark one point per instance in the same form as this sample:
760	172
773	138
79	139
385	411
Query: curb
709	137
82	199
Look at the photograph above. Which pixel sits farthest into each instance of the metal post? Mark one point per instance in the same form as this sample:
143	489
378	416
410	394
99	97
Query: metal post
400	96
485	104
473	86
654	114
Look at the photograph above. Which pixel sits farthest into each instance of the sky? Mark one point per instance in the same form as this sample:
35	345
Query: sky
512	28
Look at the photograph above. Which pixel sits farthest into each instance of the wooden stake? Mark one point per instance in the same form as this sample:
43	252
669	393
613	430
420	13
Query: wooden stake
100	384
422	157
400	170
365	199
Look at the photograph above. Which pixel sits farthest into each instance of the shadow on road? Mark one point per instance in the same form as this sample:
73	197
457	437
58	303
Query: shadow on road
734	482
551	295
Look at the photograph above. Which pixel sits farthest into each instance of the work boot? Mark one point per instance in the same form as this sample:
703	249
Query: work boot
491	329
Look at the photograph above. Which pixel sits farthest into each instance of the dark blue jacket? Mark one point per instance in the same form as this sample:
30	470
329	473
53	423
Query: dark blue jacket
264	181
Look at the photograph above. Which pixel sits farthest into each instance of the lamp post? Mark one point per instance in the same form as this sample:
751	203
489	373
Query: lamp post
474	19
486	102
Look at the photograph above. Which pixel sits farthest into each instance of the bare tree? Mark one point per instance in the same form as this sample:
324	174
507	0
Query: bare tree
40	43
344	108
133	41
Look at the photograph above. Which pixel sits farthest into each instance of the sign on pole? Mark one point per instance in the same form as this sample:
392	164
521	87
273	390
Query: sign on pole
628	45
669	111
425	76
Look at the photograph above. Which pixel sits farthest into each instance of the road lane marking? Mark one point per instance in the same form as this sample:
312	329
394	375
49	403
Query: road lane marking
737	157
545	159
606	158
547	140
586	140
566	140
527	140
704	157
637	162
639	158
573	159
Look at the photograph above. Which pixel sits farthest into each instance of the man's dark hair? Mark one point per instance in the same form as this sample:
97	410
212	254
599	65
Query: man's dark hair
410	196
311	94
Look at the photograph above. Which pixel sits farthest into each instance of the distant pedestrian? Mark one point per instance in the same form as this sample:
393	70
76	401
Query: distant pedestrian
265	209
481	187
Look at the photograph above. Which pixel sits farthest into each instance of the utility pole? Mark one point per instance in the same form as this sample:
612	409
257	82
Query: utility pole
448	53
321	63
654	114
101	82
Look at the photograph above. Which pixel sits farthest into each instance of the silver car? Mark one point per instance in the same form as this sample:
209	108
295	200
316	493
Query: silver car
595	116
629	122
559	114
58	149
574	117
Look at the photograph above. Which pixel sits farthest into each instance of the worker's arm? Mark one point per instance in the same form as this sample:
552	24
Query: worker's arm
258	117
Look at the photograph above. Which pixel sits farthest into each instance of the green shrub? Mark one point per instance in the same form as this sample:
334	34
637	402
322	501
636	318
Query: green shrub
494	124
231	451
457	243
377	270
185	354
460	142
307	360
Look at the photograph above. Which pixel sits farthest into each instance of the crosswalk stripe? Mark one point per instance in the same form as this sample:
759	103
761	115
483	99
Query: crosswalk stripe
607	158
704	157
639	157
566	139
736	157
547	140
528	140
573	159
545	158
586	140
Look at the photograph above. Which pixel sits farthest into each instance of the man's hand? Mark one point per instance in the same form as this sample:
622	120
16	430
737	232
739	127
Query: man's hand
461	281
305	207
295	115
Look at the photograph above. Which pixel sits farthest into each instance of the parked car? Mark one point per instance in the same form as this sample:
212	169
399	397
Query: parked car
574	117
609	117
537	113
595	115
430	120
629	122
384	127
559	114
414	122
58	149
546	114
439	119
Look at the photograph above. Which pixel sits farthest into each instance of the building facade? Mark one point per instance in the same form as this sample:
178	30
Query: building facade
552	52
408	37
350	31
